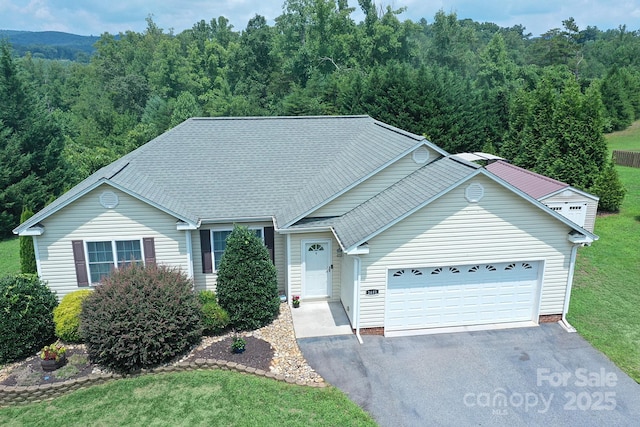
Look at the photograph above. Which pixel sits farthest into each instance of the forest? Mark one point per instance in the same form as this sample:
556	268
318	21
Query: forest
544	103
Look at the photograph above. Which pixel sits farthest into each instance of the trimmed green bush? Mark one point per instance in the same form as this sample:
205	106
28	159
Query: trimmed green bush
214	318
140	317
27	251
609	188
247	285
26	316
66	316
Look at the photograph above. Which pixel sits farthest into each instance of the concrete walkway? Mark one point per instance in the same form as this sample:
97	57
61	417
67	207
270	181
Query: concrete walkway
320	319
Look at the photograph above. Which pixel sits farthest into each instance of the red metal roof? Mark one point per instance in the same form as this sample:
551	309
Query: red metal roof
534	184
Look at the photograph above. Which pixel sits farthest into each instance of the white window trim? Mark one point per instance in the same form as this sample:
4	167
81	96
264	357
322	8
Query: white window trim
218	229
114	252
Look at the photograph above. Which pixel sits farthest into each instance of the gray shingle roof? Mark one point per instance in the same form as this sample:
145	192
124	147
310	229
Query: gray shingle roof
208	169
400	200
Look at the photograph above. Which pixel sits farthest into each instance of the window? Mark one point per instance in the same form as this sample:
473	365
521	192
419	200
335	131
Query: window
219	243
104	256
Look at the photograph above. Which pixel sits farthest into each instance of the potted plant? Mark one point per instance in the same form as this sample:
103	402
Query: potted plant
238	345
53	356
295	301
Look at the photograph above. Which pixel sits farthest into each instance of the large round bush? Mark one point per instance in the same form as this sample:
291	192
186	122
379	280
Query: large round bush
66	315
140	317
26	316
247	285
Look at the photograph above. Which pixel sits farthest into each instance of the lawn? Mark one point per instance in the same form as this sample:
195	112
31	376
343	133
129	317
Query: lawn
212	398
606	293
9	256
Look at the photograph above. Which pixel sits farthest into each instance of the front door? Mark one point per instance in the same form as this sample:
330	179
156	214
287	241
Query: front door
317	269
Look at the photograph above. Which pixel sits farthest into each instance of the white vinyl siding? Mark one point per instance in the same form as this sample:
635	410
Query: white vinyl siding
297	260
572	197
87	220
502	227
372	186
347	282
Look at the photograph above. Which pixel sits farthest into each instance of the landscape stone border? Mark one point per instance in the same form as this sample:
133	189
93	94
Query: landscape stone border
16	395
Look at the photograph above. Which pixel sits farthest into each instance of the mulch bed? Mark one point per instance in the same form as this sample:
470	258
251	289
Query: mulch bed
258	354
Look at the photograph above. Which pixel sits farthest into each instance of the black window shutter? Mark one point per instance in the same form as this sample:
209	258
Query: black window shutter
269	241
205	248
149	247
81	264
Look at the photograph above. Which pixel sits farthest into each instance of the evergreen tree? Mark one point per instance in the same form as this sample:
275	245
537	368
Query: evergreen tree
31	143
27	252
247	284
609	188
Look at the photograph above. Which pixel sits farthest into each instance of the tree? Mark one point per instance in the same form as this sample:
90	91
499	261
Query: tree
247	285
27	252
609	188
557	130
32	167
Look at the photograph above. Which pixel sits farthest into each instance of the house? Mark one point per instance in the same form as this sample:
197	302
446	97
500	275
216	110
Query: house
408	238
579	206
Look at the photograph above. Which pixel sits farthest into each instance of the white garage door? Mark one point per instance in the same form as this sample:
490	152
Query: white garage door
462	295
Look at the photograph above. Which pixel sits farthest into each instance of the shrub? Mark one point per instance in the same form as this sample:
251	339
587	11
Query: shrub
609	188
66	315
140	317
247	284
26	322
27	251
214	318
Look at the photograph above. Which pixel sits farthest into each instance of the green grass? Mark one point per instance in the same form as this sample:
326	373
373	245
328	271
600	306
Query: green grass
197	398
605	302
9	256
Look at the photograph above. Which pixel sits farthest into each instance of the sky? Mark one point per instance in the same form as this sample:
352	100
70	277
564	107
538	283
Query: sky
94	17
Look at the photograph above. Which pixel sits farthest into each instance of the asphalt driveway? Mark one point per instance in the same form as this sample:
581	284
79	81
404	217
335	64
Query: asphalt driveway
516	377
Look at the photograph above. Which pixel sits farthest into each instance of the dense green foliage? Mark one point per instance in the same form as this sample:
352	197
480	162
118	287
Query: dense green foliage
32	168
542	102
214	318
66	316
141	316
27	251
26	322
247	283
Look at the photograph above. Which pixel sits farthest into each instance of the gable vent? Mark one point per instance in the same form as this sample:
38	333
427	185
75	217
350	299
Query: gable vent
421	155
474	193
109	199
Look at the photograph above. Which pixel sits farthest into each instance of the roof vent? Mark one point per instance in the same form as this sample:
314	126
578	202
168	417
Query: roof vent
421	155
474	193
109	199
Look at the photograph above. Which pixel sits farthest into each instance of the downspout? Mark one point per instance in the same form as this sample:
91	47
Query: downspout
356	296
572	266
289	269
189	244
37	253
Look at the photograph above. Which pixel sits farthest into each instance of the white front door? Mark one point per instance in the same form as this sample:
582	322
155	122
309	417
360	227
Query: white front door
317	269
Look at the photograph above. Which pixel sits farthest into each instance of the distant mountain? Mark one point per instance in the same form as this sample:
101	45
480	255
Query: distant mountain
50	44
